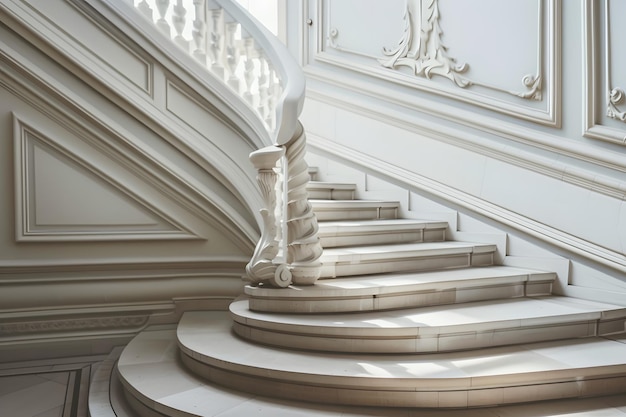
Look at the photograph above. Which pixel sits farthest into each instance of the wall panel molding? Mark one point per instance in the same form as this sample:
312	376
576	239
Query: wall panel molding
475	143
64	24
91	299
80	287
535	97
23	78
605	101
573	245
59	196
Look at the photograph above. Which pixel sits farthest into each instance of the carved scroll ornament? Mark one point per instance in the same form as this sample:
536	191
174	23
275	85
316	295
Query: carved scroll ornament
616	96
422	50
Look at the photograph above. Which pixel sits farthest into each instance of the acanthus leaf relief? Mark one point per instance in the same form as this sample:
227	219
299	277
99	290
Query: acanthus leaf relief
616	96
533	84
422	50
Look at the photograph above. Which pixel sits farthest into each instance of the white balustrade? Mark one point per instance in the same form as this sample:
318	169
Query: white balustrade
209	31
258	69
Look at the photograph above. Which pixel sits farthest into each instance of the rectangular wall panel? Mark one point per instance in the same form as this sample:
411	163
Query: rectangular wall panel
605	77
503	56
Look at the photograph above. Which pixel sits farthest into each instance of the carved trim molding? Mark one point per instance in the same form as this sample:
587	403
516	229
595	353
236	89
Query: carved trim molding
616	97
71	325
422	50
597	44
616	94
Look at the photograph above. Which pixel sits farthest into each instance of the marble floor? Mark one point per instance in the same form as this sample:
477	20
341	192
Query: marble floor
58	388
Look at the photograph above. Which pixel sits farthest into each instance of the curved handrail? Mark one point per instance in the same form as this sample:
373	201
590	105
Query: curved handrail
289	72
222	34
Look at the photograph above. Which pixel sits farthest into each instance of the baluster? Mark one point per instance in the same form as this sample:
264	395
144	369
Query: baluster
199	31
248	74
146	10
179	21
232	55
162	6
263	82
217	42
270	117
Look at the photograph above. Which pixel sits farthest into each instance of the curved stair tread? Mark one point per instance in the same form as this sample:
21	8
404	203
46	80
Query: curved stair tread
432	329
151	373
369	285
210	348
380	292
476	316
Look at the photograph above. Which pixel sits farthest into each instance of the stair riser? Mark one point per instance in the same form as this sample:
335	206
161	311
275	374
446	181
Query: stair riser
368	341
391	237
321	194
356	214
453	393
392	301
427	263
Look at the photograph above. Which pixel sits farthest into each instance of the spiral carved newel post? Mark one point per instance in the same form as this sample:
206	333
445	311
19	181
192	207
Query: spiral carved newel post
304	248
289	248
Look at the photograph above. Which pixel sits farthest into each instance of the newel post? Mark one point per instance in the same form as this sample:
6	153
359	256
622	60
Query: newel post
262	267
303	248
298	237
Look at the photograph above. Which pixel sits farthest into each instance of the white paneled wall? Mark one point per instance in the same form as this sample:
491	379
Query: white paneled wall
506	111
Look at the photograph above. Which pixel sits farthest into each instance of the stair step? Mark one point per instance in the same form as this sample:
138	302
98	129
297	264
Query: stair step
379	259
368	232
402	290
156	383
330	190
433	329
354	209
479	378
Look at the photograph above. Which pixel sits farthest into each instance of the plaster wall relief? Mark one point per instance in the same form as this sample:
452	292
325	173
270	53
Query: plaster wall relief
60	196
504	56
423	51
615	63
605	75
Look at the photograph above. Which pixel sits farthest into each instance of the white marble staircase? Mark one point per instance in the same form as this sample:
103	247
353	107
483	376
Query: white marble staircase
401	318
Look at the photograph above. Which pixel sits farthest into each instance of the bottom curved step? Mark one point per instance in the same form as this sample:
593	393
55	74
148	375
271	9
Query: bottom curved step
156	383
479	378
